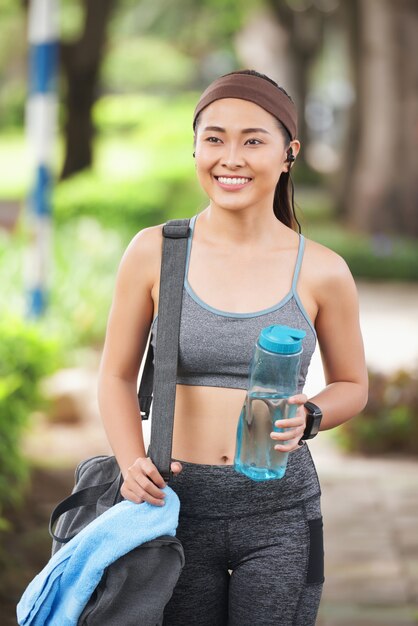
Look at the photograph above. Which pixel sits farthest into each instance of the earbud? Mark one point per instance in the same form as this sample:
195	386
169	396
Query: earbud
290	156
194	154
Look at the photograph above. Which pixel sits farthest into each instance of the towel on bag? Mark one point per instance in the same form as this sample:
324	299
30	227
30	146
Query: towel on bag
59	593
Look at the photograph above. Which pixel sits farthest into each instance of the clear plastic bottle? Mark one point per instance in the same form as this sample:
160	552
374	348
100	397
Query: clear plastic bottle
273	377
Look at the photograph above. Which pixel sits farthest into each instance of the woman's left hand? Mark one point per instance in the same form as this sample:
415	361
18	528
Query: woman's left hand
293	427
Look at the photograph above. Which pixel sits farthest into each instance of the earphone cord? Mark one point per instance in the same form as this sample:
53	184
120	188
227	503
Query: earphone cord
293	203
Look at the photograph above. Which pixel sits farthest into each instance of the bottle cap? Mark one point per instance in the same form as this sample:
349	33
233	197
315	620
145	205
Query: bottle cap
281	339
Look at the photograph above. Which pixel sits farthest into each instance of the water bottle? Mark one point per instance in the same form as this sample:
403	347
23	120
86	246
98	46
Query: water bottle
273	377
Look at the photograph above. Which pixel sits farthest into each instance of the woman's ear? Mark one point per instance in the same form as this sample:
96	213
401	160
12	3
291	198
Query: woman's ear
291	153
295	145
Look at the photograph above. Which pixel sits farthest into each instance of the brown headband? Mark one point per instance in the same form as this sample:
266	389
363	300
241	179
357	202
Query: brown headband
255	89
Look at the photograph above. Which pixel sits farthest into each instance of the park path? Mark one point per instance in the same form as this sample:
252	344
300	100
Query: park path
370	506
370	509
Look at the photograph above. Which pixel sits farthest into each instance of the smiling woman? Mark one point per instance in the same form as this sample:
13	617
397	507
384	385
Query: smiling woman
234	157
254	552
278	103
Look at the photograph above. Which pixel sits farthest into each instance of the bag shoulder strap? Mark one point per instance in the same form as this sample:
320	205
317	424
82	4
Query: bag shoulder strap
85	497
159	381
175	229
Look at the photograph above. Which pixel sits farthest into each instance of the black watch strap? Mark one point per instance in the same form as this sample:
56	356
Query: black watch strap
313	421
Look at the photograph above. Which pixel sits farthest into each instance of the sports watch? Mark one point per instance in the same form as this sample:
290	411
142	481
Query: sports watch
313	420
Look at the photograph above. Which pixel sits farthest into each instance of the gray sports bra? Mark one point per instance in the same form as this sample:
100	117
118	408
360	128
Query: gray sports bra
215	347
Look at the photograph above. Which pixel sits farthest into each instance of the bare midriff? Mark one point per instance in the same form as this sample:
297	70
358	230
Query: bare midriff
205	424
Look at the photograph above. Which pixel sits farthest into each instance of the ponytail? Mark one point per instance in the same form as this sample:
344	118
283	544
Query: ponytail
284	202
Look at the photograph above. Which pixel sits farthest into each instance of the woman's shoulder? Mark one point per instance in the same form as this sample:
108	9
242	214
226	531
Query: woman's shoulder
324	267
147	240
143	253
146	245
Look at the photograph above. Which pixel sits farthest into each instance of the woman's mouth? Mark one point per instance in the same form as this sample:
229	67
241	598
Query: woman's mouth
232	183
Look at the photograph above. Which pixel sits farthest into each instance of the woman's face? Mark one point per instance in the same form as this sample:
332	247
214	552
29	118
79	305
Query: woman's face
240	153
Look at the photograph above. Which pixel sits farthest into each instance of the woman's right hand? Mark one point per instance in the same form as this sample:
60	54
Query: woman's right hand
144	483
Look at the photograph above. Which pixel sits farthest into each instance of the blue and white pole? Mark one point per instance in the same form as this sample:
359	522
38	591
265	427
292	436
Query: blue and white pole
41	123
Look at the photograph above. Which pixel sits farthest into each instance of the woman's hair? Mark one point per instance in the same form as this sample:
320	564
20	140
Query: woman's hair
283	202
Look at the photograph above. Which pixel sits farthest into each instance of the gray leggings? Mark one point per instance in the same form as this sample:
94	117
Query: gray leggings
250	559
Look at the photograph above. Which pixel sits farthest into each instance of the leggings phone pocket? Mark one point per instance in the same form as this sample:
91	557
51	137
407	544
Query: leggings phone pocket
315	568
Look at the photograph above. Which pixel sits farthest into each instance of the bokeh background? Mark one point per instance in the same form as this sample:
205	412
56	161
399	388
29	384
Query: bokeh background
130	72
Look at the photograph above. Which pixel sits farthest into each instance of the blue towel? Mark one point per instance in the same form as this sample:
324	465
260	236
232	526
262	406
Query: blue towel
59	593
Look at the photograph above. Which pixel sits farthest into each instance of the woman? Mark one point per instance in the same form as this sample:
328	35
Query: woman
253	549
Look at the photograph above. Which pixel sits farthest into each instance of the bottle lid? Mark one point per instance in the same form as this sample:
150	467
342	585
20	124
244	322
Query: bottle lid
281	339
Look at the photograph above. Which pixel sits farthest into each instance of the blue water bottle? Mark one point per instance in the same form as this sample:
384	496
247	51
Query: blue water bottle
273	377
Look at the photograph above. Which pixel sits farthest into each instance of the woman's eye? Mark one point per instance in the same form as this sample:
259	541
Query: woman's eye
213	139
254	142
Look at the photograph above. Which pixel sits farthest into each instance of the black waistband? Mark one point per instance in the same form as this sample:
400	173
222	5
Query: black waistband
219	491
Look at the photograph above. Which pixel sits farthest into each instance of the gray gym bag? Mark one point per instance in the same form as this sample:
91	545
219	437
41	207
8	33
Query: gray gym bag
135	589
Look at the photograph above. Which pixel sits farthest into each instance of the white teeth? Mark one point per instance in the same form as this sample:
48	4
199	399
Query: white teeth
233	181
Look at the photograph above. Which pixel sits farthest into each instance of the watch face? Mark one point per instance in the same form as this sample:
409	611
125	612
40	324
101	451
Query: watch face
316	423
313	409
313	420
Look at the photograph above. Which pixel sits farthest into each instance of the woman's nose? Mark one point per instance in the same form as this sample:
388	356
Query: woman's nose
232	157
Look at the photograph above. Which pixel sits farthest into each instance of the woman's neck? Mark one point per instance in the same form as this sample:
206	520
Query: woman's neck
242	227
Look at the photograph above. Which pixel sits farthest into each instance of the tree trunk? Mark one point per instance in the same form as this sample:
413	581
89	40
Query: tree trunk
381	190
81	63
350	20
407	64
305	31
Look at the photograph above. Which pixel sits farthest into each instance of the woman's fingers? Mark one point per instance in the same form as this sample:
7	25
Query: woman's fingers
290	445
176	467
293	427
143	482
299	398
288	440
148	486
128	494
152	472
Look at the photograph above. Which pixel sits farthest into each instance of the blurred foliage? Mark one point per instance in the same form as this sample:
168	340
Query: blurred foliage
87	256
143	172
389	422
146	63
71	19
130	204
12	104
13	54
195	26
85	260
375	257
26	355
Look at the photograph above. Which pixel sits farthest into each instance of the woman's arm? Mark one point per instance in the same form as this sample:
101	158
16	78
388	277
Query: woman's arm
341	344
334	297
126	336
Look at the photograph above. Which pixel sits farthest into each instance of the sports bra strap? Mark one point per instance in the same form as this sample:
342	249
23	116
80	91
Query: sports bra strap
189	246
298	263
